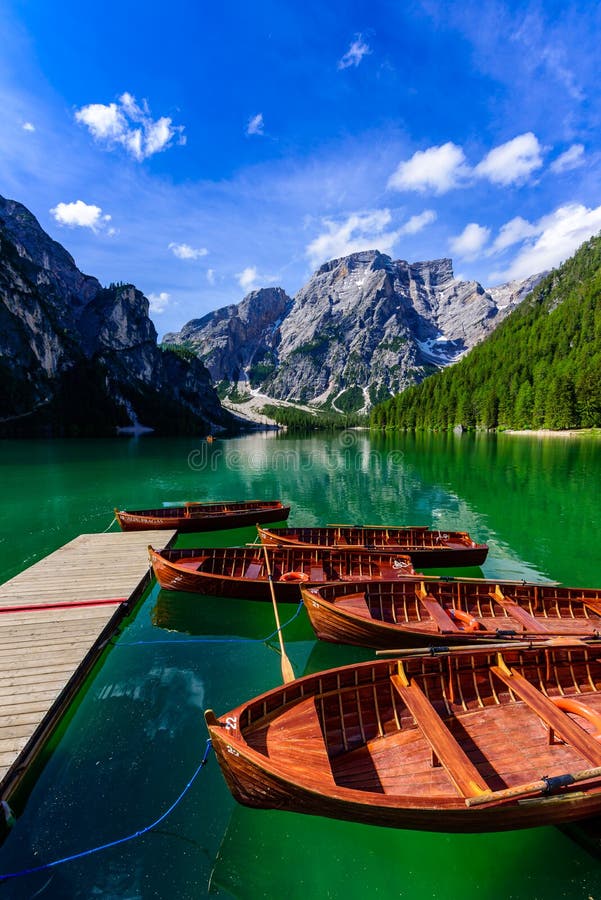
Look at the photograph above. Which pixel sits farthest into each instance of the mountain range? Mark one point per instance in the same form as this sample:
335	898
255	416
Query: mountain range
363	328
80	358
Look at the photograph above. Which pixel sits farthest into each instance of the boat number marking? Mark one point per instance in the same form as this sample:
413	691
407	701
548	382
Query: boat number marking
314	602
231	750
231	723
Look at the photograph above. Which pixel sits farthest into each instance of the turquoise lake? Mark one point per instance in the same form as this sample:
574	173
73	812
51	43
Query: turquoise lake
136	734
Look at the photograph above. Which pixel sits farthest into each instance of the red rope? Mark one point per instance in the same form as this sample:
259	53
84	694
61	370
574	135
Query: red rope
65	605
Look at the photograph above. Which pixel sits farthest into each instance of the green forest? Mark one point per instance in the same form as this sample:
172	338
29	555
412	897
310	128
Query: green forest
541	368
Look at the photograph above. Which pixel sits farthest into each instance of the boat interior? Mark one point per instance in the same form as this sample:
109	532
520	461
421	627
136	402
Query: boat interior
449	726
436	606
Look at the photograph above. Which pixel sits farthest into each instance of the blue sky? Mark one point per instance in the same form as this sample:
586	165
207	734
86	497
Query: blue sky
202	151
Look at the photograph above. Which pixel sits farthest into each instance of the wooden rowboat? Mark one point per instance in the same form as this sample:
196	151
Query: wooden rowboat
241	572
204	516
426	548
413	613
469	741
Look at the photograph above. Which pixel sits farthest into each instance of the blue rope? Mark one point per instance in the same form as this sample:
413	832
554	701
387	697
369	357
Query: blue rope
123	840
215	640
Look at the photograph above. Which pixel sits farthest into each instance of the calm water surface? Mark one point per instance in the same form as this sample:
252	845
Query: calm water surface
137	734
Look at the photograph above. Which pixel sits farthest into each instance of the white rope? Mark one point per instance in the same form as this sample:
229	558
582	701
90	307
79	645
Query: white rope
111	525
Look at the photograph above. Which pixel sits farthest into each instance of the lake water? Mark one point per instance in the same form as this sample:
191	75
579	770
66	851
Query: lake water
137	734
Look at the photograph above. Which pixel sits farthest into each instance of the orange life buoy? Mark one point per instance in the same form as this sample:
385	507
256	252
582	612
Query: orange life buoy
467	620
294	577
571	705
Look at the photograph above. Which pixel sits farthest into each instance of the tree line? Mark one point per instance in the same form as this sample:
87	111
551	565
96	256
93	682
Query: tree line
541	368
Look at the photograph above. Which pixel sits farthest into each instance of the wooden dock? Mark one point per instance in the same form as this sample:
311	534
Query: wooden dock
55	619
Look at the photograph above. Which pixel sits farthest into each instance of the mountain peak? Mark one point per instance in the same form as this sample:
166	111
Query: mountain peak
363	327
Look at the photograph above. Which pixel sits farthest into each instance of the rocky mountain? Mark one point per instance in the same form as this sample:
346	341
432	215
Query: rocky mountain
235	342
362	329
79	358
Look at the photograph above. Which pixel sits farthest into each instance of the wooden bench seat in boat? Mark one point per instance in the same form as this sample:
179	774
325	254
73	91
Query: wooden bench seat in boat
253	570
317	574
192	564
445	748
555	718
355	603
435	610
517	612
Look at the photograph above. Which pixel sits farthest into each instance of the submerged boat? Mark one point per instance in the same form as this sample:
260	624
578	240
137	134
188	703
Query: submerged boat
242	572
426	548
204	516
468	741
416	612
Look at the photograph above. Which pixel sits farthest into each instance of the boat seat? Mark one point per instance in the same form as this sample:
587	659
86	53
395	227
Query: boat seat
445	748
556	719
435	610
253	570
316	573
517	612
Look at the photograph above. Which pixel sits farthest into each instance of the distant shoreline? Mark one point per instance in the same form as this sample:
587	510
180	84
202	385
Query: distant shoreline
545	432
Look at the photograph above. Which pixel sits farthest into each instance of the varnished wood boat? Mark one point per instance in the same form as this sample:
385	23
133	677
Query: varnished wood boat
426	548
241	572
193	517
468	741
413	613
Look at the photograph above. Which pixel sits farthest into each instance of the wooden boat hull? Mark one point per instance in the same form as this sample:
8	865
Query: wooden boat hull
196	518
241	572
343	744
426	549
390	616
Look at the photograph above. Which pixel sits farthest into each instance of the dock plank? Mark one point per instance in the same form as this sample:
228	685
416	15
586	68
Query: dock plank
49	641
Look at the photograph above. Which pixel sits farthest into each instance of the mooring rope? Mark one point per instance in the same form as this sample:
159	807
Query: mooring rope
174	643
115	843
111	525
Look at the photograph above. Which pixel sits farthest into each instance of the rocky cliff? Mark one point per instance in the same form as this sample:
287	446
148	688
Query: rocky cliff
364	327
79	358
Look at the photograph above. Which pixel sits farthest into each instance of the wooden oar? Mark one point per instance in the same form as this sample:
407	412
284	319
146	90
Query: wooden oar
489	646
287	670
544	785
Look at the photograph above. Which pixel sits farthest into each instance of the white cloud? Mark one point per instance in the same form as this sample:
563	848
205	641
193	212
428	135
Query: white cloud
28	126
256	125
558	235
512	162
571	159
248	277
442	168
513	232
159	302
355	53
360	231
80	215
130	125
211	276
416	223
185	251
470	242
438	168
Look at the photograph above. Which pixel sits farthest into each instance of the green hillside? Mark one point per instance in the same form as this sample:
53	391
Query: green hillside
541	368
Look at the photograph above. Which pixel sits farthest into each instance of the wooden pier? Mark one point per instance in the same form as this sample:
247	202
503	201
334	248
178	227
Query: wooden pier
55	619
